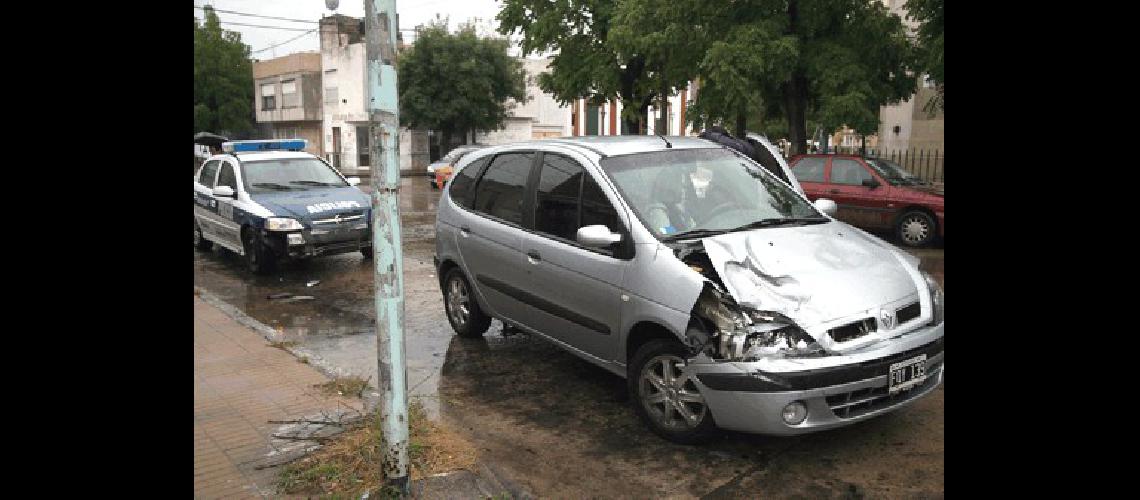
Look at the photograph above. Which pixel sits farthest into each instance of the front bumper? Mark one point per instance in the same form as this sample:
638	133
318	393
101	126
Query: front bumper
319	242
743	397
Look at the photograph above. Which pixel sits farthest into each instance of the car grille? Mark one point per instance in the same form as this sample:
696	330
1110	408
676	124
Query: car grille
852	330
342	217
908	313
855	403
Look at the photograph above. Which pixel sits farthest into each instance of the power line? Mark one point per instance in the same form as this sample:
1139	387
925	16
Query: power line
265	26
285	42
258	15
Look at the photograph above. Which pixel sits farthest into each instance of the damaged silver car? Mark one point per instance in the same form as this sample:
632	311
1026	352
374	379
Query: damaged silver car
724	296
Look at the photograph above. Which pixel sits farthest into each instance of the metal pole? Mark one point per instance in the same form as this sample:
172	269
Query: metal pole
380	56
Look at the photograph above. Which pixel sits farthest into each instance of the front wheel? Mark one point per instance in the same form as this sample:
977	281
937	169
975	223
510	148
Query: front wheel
258	257
916	229
665	399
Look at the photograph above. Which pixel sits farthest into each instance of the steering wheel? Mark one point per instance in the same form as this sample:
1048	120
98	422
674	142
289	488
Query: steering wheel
722	207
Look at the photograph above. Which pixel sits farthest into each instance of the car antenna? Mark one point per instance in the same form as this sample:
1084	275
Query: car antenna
667	145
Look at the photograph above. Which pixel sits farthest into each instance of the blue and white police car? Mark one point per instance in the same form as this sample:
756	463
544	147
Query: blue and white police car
269	200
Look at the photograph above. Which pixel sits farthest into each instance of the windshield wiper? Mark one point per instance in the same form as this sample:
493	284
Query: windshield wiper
315	183
273	185
695	233
787	221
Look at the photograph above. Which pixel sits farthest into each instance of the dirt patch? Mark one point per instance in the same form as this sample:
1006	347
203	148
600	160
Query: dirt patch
349	464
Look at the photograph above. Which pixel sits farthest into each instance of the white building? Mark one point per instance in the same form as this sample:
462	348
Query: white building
345	110
541	117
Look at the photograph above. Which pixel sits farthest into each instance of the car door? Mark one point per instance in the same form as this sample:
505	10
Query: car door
809	171
575	290
859	205
205	207
227	227
489	235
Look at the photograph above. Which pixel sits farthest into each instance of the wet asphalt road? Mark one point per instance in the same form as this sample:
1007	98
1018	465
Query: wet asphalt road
550	422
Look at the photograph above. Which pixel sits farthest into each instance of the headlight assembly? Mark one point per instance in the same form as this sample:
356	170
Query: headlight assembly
937	298
282	224
768	335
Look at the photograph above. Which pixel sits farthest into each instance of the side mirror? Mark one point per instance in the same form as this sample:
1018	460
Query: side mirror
826	206
223	192
352	181
871	183
597	236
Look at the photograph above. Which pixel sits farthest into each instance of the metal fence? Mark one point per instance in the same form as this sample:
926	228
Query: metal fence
925	163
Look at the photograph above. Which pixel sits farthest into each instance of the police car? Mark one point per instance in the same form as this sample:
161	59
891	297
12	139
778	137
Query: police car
269	200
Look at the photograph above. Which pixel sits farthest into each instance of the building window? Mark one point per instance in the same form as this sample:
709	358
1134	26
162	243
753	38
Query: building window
331	96
289	96
268	101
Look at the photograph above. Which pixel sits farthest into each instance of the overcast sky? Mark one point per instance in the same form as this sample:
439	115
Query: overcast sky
412	12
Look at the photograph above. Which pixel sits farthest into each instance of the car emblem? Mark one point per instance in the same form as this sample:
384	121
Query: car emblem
336	219
887	319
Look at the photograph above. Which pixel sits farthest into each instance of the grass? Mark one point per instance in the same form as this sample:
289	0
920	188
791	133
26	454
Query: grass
349	465
344	386
284	344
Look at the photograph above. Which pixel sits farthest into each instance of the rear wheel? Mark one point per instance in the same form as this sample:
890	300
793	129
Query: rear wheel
666	400
200	242
463	311
258	257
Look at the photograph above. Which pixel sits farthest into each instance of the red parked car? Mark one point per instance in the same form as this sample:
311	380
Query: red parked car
875	194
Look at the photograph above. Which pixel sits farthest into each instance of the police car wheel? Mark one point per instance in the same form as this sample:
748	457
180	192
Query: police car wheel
257	256
366	252
200	242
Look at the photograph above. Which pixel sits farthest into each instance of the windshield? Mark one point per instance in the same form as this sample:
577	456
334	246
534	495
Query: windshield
894	174
700	192
288	174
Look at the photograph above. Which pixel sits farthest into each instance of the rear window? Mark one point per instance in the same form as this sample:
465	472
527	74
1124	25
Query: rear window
206	178
460	190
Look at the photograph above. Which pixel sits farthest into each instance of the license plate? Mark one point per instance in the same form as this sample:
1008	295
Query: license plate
906	374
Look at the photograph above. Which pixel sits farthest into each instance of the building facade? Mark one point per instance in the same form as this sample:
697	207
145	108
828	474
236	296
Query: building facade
587	118
287	98
907	125
539	118
345	107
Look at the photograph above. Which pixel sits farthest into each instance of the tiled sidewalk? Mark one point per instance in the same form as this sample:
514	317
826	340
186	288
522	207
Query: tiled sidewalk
241	383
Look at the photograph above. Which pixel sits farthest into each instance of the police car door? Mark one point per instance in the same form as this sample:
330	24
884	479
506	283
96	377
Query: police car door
228	229
204	204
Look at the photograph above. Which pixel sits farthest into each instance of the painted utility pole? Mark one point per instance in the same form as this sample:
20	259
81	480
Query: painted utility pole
384	131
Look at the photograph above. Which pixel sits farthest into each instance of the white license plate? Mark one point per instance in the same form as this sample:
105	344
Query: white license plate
906	374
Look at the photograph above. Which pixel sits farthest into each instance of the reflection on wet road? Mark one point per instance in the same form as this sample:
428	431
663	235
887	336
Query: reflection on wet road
553	423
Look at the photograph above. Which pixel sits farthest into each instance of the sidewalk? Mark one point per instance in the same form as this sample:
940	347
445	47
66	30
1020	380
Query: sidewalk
240	384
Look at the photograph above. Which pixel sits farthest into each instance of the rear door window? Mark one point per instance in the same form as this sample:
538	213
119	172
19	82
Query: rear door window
499	192
809	169
556	197
206	177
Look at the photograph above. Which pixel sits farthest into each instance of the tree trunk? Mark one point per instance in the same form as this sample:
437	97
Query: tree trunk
444	142
795	102
863	145
630	126
741	124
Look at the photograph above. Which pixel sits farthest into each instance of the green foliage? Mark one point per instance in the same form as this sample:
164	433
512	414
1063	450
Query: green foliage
931	36
223	78
458	82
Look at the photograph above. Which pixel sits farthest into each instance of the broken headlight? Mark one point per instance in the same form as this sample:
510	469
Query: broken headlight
768	335
937	298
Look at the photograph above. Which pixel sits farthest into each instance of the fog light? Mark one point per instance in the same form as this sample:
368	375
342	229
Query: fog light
296	239
795	413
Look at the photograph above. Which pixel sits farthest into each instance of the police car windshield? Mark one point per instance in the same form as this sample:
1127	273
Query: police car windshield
288	174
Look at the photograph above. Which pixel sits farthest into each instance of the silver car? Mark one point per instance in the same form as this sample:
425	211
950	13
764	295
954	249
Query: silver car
722	294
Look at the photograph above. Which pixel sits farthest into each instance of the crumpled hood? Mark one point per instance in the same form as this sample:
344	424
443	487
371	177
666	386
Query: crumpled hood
811	274
314	203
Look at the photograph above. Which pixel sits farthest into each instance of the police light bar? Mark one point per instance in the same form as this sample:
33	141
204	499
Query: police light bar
270	145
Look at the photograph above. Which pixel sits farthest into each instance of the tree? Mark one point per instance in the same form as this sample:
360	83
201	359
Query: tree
930	15
831	61
587	64
223	78
458	82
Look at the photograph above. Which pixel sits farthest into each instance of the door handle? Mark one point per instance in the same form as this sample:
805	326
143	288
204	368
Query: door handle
533	256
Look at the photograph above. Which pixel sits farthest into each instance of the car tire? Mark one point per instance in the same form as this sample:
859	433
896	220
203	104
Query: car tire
200	242
463	311
366	252
655	396
916	229
258	257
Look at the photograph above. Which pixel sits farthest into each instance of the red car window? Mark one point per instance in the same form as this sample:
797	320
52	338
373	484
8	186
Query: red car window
809	169
848	172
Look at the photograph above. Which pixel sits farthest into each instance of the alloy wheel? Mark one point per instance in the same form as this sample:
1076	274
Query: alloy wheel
457	302
671	399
